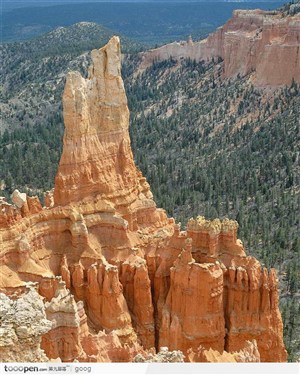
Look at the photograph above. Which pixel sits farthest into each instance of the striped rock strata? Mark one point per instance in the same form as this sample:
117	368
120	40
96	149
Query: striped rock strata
266	44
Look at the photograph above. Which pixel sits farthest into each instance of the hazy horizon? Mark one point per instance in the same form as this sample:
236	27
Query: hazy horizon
8	5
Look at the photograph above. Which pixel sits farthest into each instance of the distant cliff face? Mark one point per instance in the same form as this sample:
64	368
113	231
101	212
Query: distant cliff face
118	276
266	44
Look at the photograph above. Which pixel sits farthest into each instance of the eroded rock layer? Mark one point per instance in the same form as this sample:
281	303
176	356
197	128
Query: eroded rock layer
264	43
119	278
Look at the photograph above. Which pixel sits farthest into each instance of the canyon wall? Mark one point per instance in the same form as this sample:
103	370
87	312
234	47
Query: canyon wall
266	44
118	277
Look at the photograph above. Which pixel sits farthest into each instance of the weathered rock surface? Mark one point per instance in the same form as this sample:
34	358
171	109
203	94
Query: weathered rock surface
19	199
248	354
163	356
252	41
22	323
97	160
193	311
119	278
63	339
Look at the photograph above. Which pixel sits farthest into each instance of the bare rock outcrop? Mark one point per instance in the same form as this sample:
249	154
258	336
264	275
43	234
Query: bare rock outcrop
163	356
22	323
19	199
253	41
119	277
247	354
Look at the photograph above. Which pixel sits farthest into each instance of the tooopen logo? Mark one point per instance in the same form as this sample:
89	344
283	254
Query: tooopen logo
23	369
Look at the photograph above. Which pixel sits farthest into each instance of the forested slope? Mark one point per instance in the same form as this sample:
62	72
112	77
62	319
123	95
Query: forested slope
225	149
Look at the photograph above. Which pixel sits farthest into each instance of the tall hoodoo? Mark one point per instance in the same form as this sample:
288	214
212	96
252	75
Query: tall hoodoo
97	157
118	277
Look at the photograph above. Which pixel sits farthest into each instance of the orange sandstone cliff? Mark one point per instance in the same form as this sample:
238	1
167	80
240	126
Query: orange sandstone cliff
118	278
264	43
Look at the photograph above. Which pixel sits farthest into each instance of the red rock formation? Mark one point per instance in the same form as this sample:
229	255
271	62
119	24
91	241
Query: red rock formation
63	341
97	160
265	43
193	312
251	307
137	291
9	213
118	277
